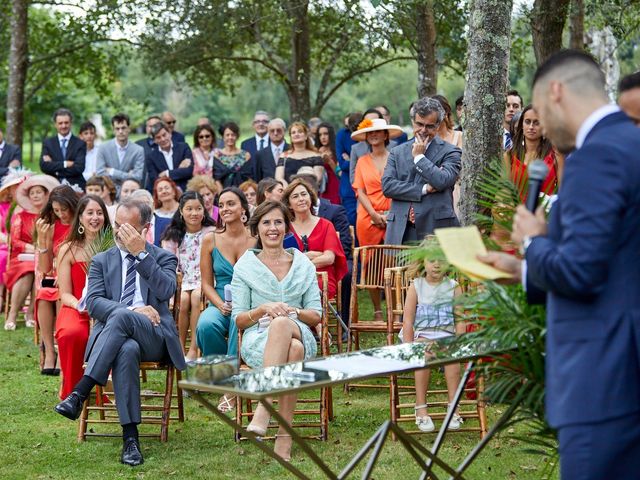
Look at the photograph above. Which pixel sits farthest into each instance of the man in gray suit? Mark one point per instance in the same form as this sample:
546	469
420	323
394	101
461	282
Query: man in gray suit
129	288
419	178
119	158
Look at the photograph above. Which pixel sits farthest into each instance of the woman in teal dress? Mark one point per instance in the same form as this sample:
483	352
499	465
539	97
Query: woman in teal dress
216	333
276	301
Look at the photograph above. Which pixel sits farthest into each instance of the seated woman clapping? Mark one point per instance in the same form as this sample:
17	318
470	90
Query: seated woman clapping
276	301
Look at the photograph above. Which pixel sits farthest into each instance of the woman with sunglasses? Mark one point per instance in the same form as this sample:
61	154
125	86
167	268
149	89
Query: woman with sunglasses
315	236
204	141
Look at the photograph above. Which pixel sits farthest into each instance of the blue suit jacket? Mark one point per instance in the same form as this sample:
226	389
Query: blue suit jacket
337	215
249	145
155	164
76	152
589	265
9	154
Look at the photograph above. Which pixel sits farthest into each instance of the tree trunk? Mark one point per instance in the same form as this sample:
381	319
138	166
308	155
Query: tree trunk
299	91
18	64
547	22
426	44
487	77
576	25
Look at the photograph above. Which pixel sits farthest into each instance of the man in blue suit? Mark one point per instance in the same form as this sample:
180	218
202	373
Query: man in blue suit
260	140
10	156
172	160
587	260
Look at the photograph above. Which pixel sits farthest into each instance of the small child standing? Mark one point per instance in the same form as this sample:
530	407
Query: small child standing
429	316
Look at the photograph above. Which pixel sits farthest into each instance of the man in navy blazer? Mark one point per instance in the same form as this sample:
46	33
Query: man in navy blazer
264	162
62	156
587	260
172	160
10	156
260	140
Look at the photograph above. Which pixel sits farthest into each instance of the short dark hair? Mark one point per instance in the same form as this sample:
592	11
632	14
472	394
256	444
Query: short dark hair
386	109
62	112
629	82
153	117
426	106
514	93
295	184
103	182
561	58
264	208
119	118
87	126
372	110
143	208
460	101
199	129
353	120
233	126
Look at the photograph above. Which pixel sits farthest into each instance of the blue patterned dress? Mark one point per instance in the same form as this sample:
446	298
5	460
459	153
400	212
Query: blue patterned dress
254	284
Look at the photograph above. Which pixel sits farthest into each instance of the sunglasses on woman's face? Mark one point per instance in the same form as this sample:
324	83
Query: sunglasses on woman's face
305	243
202	137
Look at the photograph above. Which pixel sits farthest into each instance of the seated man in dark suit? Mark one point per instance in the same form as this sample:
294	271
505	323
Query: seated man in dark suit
173	160
265	161
260	140
63	156
337	215
10	156
129	288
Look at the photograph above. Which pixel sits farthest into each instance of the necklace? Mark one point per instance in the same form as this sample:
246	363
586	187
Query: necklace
273	258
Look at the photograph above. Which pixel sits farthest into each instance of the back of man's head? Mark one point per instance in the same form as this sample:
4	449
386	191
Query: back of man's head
629	82
576	69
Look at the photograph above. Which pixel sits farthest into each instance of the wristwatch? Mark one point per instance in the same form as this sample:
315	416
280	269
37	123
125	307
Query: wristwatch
298	312
142	255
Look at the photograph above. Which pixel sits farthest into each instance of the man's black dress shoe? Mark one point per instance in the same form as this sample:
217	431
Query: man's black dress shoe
70	407
131	454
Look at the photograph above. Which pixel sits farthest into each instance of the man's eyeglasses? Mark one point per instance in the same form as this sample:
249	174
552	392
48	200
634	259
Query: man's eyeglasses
171	122
261	121
426	126
305	243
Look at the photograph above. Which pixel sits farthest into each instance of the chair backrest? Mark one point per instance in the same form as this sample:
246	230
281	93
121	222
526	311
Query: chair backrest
324	294
176	298
371	262
397	281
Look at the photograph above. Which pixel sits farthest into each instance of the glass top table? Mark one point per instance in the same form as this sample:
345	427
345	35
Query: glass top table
220	375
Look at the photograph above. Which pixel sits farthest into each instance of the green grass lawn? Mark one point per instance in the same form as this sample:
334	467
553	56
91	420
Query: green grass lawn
39	444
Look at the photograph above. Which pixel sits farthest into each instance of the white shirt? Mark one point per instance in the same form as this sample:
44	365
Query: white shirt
276	150
90	163
137	296
592	120
2	145
266	141
416	159
168	157
122	151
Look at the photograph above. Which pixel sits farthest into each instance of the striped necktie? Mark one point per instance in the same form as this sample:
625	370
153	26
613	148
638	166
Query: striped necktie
63	148
129	289
508	142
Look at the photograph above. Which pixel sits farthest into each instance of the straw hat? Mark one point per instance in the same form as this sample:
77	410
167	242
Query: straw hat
15	176
375	125
22	195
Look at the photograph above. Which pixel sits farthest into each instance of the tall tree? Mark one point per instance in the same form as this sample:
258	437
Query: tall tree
17	70
576	25
487	70
310	48
547	23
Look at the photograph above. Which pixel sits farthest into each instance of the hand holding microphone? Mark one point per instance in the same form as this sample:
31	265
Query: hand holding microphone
225	308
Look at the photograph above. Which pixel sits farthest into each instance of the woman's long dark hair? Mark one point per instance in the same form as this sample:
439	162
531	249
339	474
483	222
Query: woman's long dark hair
74	237
332	136
65	196
177	229
243	202
266	185
519	148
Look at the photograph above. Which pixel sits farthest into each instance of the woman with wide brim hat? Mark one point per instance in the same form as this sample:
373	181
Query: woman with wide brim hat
32	195
373	206
10	182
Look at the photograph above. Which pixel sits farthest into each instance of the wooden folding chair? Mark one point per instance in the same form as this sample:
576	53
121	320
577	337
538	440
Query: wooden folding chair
397	281
306	407
156	413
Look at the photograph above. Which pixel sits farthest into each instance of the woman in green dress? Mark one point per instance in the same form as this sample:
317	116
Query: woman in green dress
276	301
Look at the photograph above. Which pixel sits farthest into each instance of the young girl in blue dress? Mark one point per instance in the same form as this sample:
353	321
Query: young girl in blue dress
429	316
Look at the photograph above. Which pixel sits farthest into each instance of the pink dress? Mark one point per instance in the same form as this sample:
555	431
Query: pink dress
4	246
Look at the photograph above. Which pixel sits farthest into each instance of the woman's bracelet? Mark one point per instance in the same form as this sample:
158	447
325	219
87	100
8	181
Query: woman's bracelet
250	319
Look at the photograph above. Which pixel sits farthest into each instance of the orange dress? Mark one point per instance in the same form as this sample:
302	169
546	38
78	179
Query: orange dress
72	334
369	179
21	235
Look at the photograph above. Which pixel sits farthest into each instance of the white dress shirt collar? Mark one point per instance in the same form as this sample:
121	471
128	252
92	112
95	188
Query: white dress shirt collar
168	157
592	120
67	138
265	138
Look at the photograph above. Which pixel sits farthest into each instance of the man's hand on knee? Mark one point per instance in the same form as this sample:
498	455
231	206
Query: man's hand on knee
149	312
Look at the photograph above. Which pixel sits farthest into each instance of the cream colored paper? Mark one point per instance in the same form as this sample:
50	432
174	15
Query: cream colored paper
461	246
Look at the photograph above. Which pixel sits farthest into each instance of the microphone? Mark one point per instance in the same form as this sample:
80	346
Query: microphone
538	171
227	293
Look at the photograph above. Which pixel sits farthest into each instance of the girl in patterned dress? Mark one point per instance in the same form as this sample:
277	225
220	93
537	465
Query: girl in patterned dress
183	238
429	316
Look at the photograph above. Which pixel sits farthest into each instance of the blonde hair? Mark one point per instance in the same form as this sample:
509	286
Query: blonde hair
200	181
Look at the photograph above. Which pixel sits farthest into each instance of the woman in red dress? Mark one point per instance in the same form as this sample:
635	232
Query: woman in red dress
72	324
31	196
316	236
52	229
529	144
